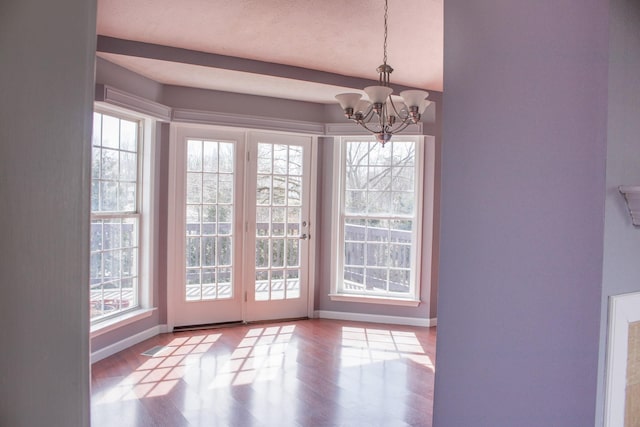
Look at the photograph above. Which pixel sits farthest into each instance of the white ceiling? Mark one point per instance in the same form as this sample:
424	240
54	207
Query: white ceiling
337	36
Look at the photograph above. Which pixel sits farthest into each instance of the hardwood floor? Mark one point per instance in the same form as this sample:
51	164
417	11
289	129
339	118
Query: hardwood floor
302	373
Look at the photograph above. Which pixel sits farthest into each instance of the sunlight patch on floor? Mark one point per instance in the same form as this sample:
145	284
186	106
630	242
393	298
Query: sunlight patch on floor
362	346
159	374
260	356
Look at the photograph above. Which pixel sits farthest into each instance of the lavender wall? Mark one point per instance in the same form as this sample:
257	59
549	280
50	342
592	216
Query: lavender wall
108	73
523	180
237	103
621	270
46	94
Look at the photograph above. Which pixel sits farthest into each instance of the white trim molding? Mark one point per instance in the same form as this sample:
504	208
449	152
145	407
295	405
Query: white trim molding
117	97
181	115
120	321
623	310
116	347
375	318
372	299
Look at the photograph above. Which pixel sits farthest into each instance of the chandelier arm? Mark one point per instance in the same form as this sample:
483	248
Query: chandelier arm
367	117
395	110
403	126
364	125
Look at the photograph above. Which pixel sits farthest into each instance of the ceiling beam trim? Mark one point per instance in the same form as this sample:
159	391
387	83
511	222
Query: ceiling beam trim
173	54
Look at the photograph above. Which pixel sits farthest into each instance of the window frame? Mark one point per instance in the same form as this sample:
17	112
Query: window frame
146	154
421	241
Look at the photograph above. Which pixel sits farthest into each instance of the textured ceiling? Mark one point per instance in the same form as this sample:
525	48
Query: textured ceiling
337	36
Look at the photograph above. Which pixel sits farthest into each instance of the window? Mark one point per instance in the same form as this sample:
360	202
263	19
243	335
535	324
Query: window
115	216
377	222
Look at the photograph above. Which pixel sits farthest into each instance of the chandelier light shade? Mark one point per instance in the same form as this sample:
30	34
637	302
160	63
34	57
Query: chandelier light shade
381	114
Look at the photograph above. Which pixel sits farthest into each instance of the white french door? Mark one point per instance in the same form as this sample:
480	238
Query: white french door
238	226
206	197
278	227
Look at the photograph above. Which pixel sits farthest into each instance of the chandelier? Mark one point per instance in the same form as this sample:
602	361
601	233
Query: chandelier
381	114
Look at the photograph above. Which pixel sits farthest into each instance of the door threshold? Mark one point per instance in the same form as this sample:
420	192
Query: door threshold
234	323
208	326
289	319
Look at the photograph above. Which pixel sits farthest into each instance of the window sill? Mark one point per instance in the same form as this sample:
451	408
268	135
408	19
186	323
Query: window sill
120	321
375	300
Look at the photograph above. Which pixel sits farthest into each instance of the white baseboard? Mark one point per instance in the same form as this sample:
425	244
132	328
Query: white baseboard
322	314
374	318
127	342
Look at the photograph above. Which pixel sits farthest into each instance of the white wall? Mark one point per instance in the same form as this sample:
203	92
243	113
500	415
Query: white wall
46	93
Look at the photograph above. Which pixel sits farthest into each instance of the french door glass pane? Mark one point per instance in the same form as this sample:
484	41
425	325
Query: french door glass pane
278	216
209	213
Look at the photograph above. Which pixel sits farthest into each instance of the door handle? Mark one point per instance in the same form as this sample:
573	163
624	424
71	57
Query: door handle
304	237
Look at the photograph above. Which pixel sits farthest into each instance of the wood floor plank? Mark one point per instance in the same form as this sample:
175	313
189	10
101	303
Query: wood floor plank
300	373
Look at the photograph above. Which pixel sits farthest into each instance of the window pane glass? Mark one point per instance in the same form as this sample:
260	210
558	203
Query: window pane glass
356	178
128	166
110	131
279	189
109	164
264	158
194	155
294	191
128	135
127	197
95	196
225	188
96	137
403	203
209	188
355	202
280	155
210	156
295	160
108	196
263	196
226	157
96	158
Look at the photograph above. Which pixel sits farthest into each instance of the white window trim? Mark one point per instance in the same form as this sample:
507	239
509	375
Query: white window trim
425	154
146	223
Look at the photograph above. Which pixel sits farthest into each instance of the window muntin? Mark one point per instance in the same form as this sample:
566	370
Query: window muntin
379	215
115	216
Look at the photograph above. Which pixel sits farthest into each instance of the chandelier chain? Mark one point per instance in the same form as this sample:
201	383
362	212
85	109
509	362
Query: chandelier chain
386	7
